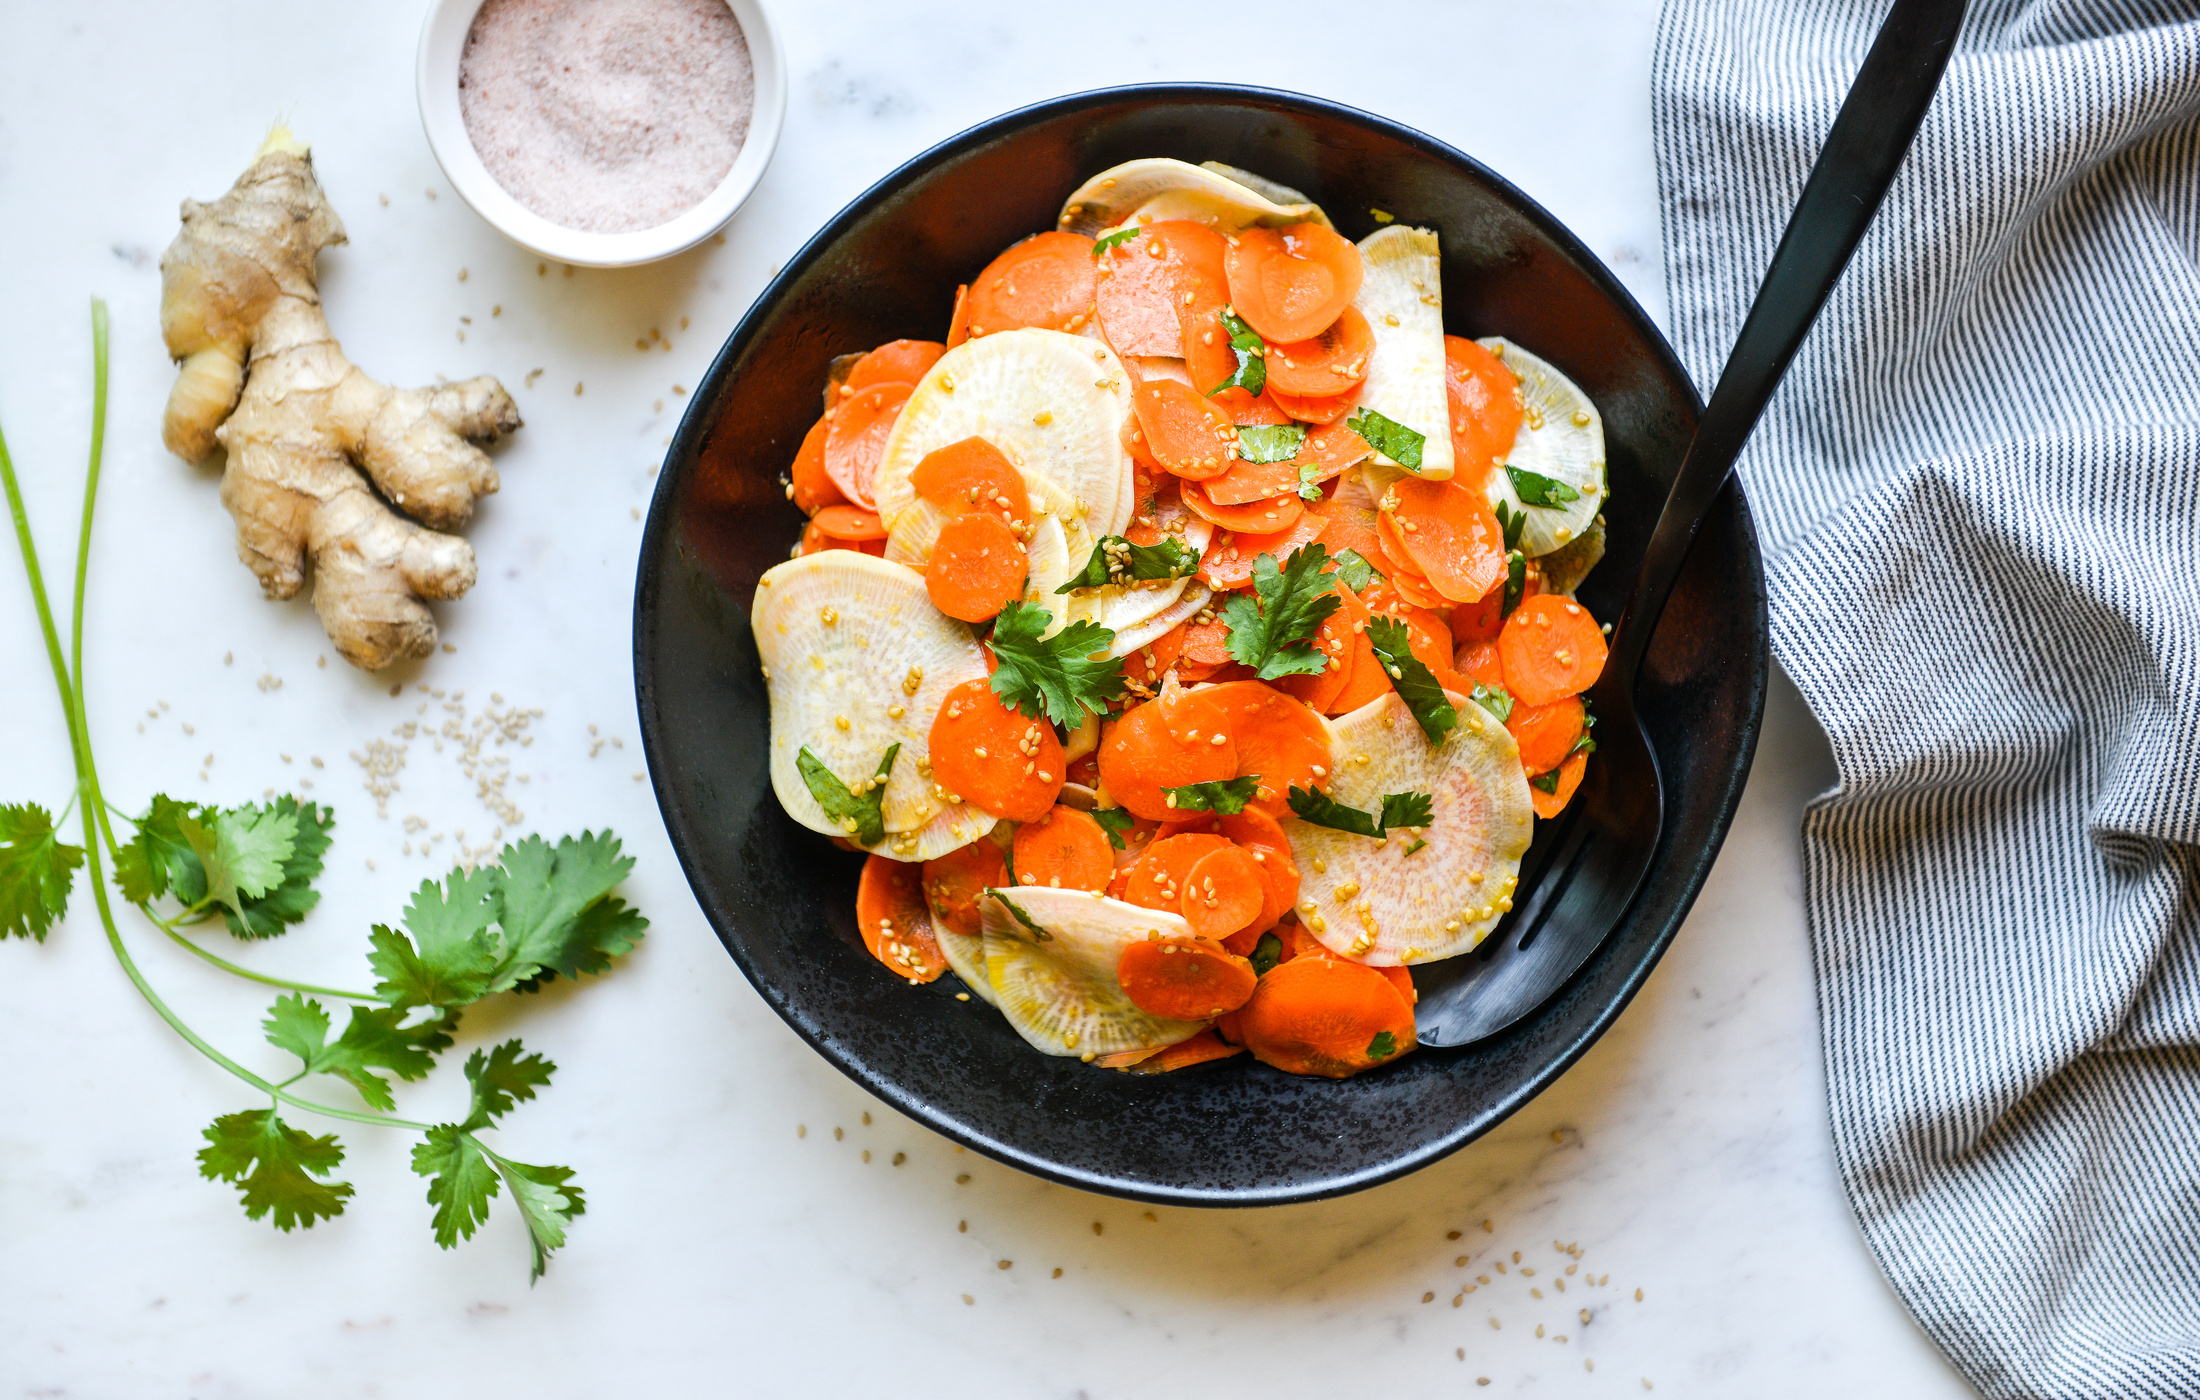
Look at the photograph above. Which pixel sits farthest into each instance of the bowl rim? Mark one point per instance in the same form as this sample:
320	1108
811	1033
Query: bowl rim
1694	864
442	44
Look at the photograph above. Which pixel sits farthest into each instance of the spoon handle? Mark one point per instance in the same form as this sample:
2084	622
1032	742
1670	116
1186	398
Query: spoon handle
1869	139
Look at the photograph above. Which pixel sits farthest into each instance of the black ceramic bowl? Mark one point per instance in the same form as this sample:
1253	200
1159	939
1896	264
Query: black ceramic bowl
782	899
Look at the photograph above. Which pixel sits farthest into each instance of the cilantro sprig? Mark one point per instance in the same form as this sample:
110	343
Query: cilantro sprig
1115	560
36	871
1273	630
1225	797
857	808
1064	677
1354	571
1251	373
1114	821
1411	678
1116	239
1393	439
1400	809
1536	489
1494	698
1272	442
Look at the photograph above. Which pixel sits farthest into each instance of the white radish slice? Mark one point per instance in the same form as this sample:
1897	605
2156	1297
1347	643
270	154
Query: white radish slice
1377	904
1052	403
1054	976
840	633
1155	189
1050	569
1561	436
917	528
1261	185
1120	607
1402	297
965	953
1195	596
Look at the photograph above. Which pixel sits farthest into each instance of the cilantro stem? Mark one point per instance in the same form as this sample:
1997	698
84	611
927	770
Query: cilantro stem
168	927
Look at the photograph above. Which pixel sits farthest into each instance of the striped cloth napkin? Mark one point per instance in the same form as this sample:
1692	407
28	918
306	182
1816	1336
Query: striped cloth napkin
1979	496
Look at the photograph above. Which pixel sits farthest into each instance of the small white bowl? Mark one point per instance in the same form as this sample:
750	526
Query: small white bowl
443	41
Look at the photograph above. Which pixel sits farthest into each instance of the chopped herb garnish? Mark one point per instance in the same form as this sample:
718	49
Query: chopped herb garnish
1266	954
1279	442
1251	374
1417	846
854	812
1414	682
1275	634
1064	676
1545	782
1318	808
1114	240
1354	570
1021	917
1585	744
1516	582
1383	1046
1310	481
1512	522
1116	560
1114	821
1391	438
1414	809
1494	698
1226	797
1536	489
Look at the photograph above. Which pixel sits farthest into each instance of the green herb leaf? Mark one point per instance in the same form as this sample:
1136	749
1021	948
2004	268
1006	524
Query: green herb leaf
1114	821
1535	489
460	1182
1414	809
1414	682
553	908
1584	743
451	955
1273	630
1318	808
501	1077
546	1202
1021	917
1064	676
1516	580
1354	570
1114	240
1251	374
464	1175
273	1166
376	1039
1512	522
158	860
1310	481
1545	782
1383	1046
1494	698
1278	442
1226	797
242	850
1394	440
293	896
36	872
1115	560
1266	954
1418	845
855	812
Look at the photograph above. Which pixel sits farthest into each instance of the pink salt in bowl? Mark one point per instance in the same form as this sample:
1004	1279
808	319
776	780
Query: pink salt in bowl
442	50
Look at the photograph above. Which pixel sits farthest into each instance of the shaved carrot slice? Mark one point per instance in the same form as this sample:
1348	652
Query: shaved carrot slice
1262	838
815	539
1266	516
1276	736
1134	442
1156	880
973	475
894	920
955	882
1332	449
1551	647
978	566
1290	284
1368	678
1186	434
1310	408
1333	362
1204	1048
1298	942
1247	411
958	324
1351	514
1479	664
1247	482
1482	619
1327	1017
845	522
987	754
814	487
895	362
1451	536
1142	282
1228	562
1427	634
1195	716
1403	981
1139	757
1066	850
1206	643
1223	894
1203	289
1048	281
1319	692
1484	399
855	438
1546	733
1184	979
1550	804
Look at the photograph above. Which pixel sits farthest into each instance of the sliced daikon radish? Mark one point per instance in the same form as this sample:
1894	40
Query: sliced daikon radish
1121	607
1566	566
1385	902
1261	185
965	953
858	660
1052	403
1155	189
1561	439
1051	956
1402	297
1188	605
1051	567
917	528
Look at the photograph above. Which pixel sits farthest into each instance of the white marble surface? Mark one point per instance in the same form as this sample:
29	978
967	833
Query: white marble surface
1687	1154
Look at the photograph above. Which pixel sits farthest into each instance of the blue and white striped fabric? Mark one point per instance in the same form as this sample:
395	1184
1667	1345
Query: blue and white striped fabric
1979	492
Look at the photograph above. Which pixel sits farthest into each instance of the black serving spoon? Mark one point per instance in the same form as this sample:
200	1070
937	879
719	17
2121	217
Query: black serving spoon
1584	868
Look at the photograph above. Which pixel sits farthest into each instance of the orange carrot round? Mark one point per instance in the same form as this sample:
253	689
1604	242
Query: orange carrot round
1484	399
1276	736
1200	1049
895	921
1290	284
1266	516
814	487
1550	804
1333	362
1228	562
1325	1016
1157	879
1352	520
987	754
855	438
954	883
1480	620
1142	281
895	362
1451	536
1139	757
958	324
978	567
1551	648
973	475
1317	408
815	539
846	522
1319	691
1479	663
1186	434
1247	410
1546	733
1223	893
1048	281
1184	979
1261	837
1366	676
1247	482
1065	850
1134	442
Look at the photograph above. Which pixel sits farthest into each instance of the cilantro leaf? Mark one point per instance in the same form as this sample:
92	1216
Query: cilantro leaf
158	860
292	897
1411	677
549	898
1275	634
1226	797
1535	489
546	1202
1414	809
1516	580
854	809
1310	481
1392	439
1114	821
1021	917
463	1175
1114	240
377	1038
1116	560
460	1182
451	955
1383	1046
1418	845
242	850
1494	698
1062	676
1512	522
36	872
273	1166
1318	808
1278	442
1545	782
1585	744
1266	954
1354	570
1251	373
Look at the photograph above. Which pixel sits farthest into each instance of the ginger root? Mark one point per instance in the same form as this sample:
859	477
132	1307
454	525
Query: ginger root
263	376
